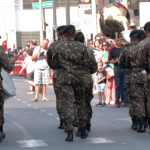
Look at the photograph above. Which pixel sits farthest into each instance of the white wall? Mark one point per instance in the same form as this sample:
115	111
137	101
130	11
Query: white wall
7	9
144	13
27	20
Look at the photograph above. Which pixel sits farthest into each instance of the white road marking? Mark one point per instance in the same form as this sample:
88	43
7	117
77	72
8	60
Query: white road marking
29	104
42	110
23	102
99	140
50	114
31	143
18	99
35	107
126	119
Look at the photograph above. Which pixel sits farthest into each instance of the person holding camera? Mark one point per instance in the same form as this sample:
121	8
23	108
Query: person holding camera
41	71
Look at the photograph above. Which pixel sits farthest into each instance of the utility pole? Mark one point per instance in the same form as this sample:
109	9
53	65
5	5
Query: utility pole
67	12
41	21
124	2
94	17
54	13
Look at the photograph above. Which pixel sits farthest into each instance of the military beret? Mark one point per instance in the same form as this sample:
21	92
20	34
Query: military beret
139	33
134	32
69	28
80	37
60	28
142	36
147	25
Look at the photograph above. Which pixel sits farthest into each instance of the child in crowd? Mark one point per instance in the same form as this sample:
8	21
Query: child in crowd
29	65
101	82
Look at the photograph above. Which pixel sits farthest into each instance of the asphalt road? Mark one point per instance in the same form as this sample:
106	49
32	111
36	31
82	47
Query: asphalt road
33	126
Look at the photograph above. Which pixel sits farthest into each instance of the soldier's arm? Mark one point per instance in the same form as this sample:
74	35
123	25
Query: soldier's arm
52	57
127	62
93	64
121	62
49	53
4	60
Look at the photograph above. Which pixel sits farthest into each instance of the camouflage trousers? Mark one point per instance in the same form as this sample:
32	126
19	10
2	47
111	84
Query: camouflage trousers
147	93
59	103
138	99
74	104
132	111
88	98
1	109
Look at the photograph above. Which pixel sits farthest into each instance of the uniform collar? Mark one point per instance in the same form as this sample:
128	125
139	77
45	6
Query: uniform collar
70	39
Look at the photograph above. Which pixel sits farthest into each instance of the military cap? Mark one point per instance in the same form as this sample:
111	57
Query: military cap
139	33
69	28
61	29
134	32
80	37
147	25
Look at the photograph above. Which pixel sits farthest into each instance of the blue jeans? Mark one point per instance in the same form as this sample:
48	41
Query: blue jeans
121	87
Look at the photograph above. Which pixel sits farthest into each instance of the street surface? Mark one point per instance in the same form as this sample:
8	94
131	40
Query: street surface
33	126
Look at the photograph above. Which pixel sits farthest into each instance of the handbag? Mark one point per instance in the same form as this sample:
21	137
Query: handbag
9	89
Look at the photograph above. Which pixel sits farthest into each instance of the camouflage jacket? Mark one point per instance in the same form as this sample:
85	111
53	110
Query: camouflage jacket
122	62
52	48
144	54
132	61
4	63
90	66
144	58
70	57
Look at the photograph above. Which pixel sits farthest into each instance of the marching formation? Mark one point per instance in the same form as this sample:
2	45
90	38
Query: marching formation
73	65
135	58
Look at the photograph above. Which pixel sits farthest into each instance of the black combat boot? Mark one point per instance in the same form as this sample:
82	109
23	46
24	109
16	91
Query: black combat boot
88	127
132	123
70	136
149	123
62	124
75	124
2	134
78	133
141	127
135	123
146	122
84	133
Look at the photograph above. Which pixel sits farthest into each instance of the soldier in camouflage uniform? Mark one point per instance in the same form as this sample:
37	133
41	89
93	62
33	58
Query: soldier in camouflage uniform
91	67
7	65
144	61
123	64
59	103
137	83
70	58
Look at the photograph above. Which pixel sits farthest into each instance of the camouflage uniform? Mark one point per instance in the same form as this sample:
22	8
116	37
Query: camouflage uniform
91	67
70	58
4	63
122	64
57	89
137	82
143	60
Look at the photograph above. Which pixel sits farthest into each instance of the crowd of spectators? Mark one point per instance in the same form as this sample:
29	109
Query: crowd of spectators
33	61
109	81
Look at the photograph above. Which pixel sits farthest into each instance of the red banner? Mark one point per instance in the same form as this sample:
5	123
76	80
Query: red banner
4	44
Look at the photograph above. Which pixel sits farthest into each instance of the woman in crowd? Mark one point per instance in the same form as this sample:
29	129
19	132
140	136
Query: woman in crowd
98	51
110	82
97	44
